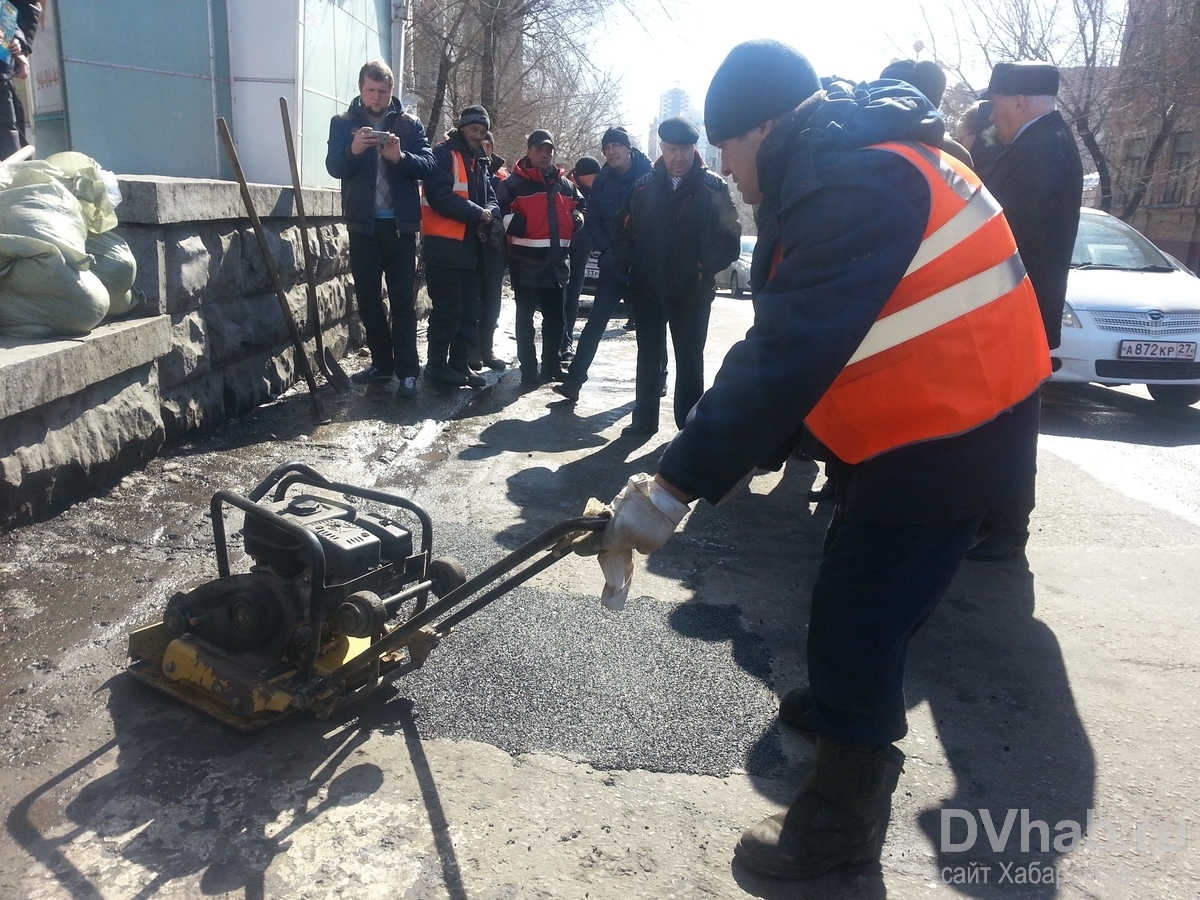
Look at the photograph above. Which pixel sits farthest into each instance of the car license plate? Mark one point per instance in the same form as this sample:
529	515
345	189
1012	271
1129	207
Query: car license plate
1157	350
591	270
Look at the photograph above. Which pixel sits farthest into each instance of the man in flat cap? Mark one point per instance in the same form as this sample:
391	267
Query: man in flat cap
906	352
1039	183
676	231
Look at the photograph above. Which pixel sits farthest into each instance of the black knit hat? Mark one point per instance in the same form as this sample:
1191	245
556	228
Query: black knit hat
1034	79
616	134
758	81
474	115
925	75
678	130
587	165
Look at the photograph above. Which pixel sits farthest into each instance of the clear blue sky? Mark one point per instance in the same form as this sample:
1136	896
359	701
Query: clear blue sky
852	39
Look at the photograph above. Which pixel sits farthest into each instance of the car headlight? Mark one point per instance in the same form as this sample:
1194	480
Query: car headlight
1069	319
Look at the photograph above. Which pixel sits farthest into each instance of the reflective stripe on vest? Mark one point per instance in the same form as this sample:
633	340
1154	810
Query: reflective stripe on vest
959	341
433	223
537	242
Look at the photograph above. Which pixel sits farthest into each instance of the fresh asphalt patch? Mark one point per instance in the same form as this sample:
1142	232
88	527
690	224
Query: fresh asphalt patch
653	687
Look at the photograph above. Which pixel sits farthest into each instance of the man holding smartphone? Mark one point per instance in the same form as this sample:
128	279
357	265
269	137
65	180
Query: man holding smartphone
380	152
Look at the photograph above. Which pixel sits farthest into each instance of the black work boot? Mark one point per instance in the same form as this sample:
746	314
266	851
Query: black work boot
794	707
840	817
437	369
488	356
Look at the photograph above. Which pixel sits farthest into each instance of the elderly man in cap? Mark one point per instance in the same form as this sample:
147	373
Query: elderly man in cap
676	231
624	164
1039	183
894	331
542	210
459	206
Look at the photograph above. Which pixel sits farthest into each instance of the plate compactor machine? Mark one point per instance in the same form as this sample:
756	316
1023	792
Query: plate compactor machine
335	605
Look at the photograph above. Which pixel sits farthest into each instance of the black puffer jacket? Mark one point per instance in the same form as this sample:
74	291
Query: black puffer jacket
672	243
845	221
358	172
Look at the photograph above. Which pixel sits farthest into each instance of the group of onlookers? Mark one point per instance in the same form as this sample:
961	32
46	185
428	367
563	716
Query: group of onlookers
662	232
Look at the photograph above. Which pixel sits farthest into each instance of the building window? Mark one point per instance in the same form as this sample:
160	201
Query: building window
1134	164
1179	168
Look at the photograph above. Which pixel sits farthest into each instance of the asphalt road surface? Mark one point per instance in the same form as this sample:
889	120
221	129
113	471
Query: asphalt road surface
553	749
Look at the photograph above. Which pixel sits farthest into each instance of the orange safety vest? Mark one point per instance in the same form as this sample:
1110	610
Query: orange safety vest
433	223
959	341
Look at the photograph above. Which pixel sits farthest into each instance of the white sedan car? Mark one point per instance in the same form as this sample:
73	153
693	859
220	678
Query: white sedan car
736	279
1132	314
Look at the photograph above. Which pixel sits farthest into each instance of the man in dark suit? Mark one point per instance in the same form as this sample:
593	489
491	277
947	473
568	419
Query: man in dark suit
1039	183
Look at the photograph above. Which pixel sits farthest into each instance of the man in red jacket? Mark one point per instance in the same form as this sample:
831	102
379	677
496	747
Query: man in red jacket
541	207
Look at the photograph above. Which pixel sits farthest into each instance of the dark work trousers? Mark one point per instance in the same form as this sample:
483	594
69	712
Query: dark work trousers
12	120
1010	517
581	249
876	586
550	301
491	293
688	322
609	294
374	257
453	314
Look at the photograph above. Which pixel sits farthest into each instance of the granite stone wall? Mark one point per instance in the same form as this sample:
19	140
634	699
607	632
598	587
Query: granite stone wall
208	342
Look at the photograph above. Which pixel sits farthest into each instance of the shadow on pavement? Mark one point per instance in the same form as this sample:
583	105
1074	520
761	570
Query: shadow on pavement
190	796
1001	701
1104	414
992	674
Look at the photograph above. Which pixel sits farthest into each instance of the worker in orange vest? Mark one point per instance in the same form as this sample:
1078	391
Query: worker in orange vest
894	330
458	206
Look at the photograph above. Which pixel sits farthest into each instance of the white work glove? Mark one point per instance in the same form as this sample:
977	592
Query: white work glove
644	516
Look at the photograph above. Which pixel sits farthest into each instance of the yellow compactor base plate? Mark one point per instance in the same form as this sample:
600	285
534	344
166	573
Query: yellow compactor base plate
227	687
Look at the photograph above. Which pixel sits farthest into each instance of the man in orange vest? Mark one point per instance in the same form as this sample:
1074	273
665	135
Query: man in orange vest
896	332
457	212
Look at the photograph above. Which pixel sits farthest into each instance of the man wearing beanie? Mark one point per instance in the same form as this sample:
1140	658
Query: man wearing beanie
542	210
1039	182
456	218
582	175
624	165
928	78
909	364
380	152
676	231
